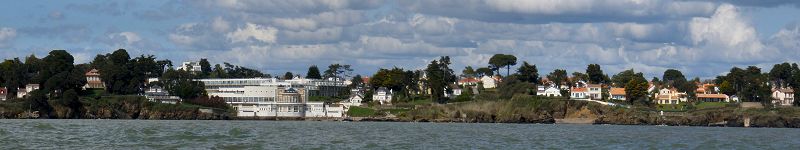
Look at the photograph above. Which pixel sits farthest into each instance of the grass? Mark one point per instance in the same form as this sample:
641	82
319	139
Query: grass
356	111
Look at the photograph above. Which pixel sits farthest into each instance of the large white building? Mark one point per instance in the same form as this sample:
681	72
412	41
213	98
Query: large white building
270	97
191	66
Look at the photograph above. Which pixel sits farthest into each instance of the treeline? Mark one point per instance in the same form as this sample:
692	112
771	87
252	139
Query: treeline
61	80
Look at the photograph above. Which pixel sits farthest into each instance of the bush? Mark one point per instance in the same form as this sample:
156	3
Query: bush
356	111
214	102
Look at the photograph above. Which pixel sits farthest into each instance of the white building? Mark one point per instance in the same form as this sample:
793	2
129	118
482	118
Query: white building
158	94
670	96
22	92
579	93
191	66
488	82
595	91
549	91
264	97
383	95
354	100
783	96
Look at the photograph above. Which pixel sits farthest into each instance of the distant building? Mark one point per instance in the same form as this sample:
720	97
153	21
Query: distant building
158	94
93	80
783	96
3	93
595	91
191	66
270	97
670	96
550	91
713	97
579	93
470	81
22	92
355	99
383	95
455	91
617	94
489	82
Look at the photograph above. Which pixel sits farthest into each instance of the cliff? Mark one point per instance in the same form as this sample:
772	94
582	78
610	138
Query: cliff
120	107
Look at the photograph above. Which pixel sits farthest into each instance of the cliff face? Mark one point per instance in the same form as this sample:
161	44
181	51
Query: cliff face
122	107
533	110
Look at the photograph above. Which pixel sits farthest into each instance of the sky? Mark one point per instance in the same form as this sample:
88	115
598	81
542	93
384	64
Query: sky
702	38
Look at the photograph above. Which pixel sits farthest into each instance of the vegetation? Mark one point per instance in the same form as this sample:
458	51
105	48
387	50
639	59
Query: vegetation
502	60
356	111
439	75
313	72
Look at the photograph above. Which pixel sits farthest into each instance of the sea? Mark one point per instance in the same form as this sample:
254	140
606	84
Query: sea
222	134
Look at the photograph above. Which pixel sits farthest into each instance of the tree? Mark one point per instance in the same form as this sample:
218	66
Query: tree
205	68
313	72
181	83
502	60
357	81
528	73
595	74
468	72
635	88
726	88
622	78
335	70
485	71
781	74
218	72
439	75
558	76
288	76
578	76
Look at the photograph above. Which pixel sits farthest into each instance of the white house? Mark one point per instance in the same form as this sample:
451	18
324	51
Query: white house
158	94
617	94
191	66
595	91
670	96
354	100
22	92
550	91
488	82
3	93
383	95
783	96
579	93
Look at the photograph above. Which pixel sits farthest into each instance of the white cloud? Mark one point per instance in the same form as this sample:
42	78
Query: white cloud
130	37
7	34
254	31
296	23
220	25
726	33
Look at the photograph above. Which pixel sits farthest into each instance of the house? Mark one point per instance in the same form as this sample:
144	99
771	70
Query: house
579	93
595	91
383	95
190	66
707	89
470	81
158	94
489	82
713	97
355	99
22	92
456	91
670	96
93	80
550	91
617	93
783	96
3	93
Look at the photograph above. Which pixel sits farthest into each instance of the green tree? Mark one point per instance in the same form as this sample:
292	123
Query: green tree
218	72
622	78
558	76
781	74
357	81
484	71
727	88
578	76
502	60
468	72
205	68
595	74
439	75
337	70
528	73
313	72
288	76
636	88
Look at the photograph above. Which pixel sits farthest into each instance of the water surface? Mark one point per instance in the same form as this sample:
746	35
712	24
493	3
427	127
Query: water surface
192	134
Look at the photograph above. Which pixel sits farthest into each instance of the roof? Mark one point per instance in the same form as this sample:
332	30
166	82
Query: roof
469	80
93	72
617	91
580	89
721	96
593	85
785	90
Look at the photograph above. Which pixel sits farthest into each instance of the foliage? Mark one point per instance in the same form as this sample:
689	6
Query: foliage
468	72
512	86
233	71
484	71
313	72
205	68
502	60
288	76
439	75
338	70
636	88
558	76
357	81
595	74
206	101
528	73
622	78
181	83
578	76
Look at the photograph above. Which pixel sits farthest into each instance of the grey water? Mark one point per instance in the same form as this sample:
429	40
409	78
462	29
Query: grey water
192	134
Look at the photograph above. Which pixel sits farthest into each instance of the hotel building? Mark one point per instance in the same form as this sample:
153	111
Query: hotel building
270	97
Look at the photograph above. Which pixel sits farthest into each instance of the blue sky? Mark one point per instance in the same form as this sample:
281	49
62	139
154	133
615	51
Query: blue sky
701	38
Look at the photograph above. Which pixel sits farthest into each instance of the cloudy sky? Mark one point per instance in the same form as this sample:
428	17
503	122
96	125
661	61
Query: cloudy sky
701	38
